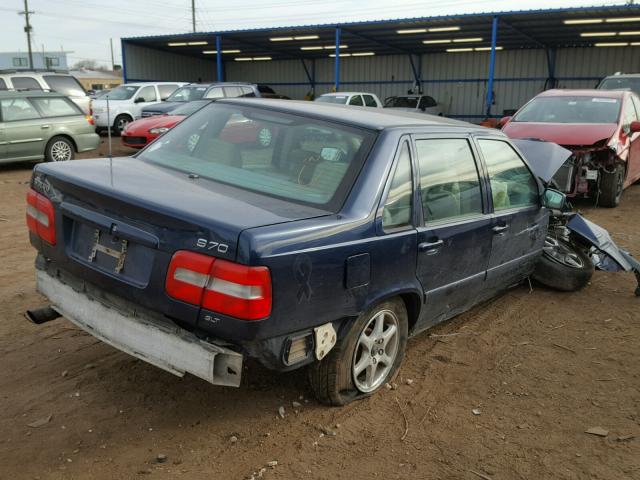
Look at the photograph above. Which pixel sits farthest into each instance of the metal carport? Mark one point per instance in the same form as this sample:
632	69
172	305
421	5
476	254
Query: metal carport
481	64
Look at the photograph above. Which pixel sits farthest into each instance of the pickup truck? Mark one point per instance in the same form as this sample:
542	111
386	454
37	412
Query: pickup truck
326	247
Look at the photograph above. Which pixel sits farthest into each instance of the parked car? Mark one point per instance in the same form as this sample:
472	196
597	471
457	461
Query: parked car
600	127
415	103
36	125
192	92
126	102
359	99
352	230
621	81
140	133
50	81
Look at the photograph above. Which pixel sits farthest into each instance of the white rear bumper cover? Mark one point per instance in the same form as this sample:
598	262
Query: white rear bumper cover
161	344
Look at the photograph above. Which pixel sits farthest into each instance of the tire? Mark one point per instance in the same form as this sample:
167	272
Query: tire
333	379
59	149
120	122
563	267
611	186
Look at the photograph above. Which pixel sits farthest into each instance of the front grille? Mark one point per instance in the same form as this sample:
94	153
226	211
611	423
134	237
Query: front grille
134	140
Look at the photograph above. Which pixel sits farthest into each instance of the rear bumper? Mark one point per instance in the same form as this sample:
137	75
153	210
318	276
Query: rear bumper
149	338
86	142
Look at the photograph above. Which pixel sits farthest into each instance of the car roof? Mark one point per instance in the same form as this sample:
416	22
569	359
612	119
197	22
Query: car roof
339	94
365	117
618	75
557	92
27	93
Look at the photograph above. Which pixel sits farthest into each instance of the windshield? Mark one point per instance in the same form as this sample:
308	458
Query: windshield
288	156
187	94
621	83
123	92
402	102
65	84
341	99
189	108
570	110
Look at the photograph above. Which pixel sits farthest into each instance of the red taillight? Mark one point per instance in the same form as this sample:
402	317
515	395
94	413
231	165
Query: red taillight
40	216
89	119
220	286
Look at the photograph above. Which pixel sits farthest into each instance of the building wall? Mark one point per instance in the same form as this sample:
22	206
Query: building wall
457	80
56	60
99	83
148	64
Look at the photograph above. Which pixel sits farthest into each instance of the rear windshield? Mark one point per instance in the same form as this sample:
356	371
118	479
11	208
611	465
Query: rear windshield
402	102
570	109
300	159
123	92
621	83
187	94
65	84
341	99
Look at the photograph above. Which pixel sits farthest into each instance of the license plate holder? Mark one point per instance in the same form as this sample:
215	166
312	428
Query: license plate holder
119	254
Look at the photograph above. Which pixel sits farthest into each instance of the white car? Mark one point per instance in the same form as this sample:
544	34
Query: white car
415	103
359	99
126	103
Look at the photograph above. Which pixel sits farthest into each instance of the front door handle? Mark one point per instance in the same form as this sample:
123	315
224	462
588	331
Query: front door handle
429	246
500	229
44	126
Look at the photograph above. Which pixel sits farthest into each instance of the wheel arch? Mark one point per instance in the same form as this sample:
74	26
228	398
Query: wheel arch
410	296
65	136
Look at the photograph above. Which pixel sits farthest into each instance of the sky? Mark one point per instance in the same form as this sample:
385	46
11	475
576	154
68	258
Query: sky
83	27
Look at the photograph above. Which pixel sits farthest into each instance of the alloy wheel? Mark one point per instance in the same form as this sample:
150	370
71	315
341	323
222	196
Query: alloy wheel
61	151
562	253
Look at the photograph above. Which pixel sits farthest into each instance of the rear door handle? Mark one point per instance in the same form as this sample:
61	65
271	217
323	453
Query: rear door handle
44	126
500	229
429	246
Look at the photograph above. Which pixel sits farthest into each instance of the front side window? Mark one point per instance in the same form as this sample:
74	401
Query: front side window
215	92
449	181
570	109
232	92
147	94
402	102
55	107
65	84
397	208
25	83
187	94
356	100
292	157
166	90
369	101
512	184
123	92
14	109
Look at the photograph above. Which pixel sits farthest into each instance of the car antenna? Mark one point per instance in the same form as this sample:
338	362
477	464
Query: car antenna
108	125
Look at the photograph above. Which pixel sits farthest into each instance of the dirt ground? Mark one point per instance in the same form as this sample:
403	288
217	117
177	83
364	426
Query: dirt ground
539	368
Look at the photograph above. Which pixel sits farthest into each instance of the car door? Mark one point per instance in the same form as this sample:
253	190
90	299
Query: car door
519	223
633	161
454	238
24	130
144	97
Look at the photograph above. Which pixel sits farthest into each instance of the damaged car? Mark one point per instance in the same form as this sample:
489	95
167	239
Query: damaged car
601	129
327	248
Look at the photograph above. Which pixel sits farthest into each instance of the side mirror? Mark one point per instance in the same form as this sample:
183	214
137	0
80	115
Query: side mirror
554	200
139	100
634	127
503	121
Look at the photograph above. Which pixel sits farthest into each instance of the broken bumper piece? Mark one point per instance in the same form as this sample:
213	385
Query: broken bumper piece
159	343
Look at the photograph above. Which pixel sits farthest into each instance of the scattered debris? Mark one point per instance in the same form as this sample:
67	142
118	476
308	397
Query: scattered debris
161	458
564	348
599	431
476	411
296	404
145	471
409	381
272	464
41	421
281	412
65	373
233	439
481	475
406	422
326	431
624	438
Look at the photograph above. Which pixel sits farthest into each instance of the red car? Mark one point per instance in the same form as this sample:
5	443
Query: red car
140	133
600	127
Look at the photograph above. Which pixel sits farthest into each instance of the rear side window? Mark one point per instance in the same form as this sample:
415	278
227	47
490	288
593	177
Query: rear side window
25	83
369	101
449	181
233	92
147	94
356	100
3	84
65	84
55	107
248	92
512	184
166	90
14	109
215	92
397	208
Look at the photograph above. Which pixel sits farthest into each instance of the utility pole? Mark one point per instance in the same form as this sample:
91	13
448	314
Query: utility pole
193	14
112	61
27	29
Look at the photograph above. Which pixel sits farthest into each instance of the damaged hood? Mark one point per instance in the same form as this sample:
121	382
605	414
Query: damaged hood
544	158
562	133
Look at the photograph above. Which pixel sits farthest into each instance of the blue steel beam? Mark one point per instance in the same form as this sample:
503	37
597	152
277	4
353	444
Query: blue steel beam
492	64
337	62
219	74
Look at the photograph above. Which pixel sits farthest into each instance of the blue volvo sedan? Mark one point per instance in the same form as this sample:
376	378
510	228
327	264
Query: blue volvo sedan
297	234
